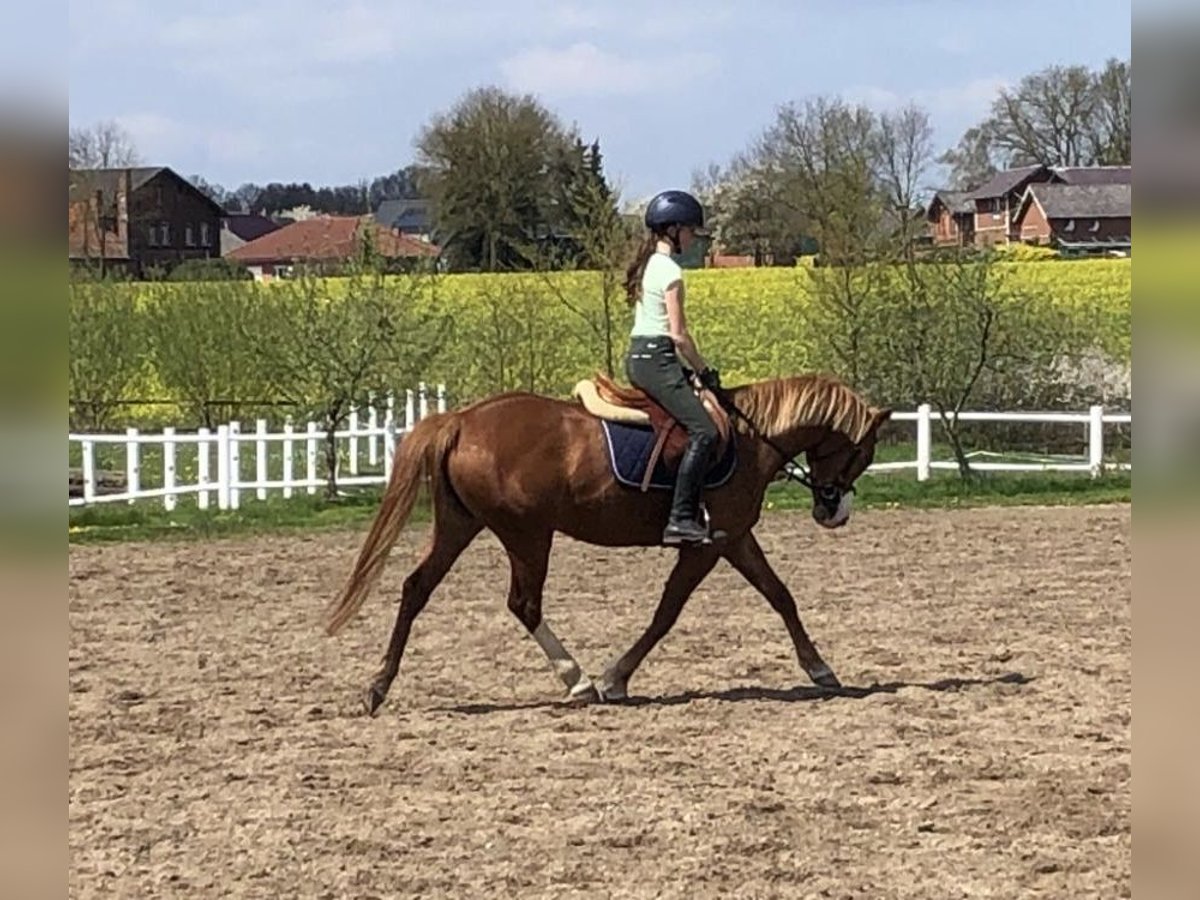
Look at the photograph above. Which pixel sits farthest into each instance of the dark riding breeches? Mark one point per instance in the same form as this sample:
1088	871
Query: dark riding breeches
653	365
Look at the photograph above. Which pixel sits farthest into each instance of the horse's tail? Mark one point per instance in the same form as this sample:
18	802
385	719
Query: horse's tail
419	456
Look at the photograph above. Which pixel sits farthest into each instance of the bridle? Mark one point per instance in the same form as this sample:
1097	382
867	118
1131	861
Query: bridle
795	471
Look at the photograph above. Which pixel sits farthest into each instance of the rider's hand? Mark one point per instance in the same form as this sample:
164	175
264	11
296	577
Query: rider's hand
710	378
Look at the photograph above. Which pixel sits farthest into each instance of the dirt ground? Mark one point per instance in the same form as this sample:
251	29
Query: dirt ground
218	746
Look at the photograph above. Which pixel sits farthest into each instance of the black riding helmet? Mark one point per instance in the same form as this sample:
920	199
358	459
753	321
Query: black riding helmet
674	208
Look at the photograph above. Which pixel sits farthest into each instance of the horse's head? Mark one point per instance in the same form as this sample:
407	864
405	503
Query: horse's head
835	463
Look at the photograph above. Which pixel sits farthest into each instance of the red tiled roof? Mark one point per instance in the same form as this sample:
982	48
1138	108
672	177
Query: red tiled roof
327	238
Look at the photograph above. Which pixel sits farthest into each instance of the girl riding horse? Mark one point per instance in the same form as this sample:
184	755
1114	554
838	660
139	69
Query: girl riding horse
658	340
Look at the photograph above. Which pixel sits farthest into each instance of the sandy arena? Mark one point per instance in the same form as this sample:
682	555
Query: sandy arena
218	746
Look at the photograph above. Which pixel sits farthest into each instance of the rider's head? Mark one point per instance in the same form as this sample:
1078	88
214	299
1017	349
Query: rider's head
673	217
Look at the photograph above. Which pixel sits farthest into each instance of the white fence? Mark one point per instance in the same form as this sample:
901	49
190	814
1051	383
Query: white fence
1093	420
371	436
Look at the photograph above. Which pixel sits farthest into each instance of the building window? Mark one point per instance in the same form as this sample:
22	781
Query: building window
204	235
152	235
164	230
1070	226
1095	225
189	235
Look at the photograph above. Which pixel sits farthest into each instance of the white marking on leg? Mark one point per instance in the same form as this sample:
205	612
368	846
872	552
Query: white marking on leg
563	663
821	671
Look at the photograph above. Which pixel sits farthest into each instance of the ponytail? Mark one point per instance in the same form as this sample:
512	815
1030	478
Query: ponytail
633	274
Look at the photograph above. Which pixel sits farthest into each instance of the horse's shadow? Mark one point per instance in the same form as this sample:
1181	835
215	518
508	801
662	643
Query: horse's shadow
798	694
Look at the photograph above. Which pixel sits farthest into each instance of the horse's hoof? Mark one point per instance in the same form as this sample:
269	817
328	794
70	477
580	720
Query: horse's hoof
609	692
825	678
374	699
583	693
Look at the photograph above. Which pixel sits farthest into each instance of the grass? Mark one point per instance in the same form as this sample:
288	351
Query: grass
147	520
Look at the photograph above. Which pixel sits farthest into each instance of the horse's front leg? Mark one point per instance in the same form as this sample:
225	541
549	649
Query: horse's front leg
693	565
747	557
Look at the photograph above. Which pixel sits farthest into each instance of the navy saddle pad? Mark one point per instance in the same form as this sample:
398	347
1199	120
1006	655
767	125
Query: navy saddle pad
629	449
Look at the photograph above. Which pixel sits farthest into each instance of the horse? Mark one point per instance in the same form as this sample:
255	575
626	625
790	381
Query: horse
527	466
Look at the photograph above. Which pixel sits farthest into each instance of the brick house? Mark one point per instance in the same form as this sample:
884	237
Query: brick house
1077	218
328	242
138	219
951	217
995	204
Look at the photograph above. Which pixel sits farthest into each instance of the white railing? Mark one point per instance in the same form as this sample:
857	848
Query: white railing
218	455
376	436
1094	420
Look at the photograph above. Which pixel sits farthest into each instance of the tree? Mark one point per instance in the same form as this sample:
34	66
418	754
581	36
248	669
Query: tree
819	158
1058	116
903	153
326	344
105	350
104	145
601	242
215	192
492	166
204	339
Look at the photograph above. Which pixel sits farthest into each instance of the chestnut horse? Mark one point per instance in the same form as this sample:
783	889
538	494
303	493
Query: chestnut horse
526	466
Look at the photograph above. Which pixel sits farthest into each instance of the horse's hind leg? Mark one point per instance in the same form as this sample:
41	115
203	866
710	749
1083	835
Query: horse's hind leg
529	556
453	531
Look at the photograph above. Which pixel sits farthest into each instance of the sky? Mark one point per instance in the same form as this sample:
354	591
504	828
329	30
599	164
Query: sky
331	92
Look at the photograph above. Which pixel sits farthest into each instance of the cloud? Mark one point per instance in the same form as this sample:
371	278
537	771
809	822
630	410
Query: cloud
159	138
584	70
972	99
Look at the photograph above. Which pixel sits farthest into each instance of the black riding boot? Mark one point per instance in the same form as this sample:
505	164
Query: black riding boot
683	527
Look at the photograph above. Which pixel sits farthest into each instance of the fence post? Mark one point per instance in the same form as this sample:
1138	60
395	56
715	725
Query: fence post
389	450
235	464
133	463
169	468
441	398
260	458
423	399
88	448
202	470
410	409
287	458
222	467
924	441
372	440
1096	440
310	458
354	441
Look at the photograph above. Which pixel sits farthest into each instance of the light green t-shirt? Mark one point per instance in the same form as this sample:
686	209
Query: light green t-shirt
650	312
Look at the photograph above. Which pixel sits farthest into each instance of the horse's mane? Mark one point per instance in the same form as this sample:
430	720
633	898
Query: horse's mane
818	400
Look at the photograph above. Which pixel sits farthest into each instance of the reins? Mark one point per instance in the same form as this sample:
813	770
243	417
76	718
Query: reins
793	470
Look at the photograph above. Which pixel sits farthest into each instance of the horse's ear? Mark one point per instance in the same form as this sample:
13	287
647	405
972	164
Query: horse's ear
878	417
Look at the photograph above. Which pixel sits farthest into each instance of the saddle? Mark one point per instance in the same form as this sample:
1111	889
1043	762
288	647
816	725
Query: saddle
605	399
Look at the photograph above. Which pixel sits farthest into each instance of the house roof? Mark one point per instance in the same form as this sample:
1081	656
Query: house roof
411	215
1095	174
956	201
1005	182
327	238
1082	201
108	180
249	226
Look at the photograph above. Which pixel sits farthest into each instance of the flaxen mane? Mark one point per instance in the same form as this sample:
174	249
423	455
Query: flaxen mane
780	405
